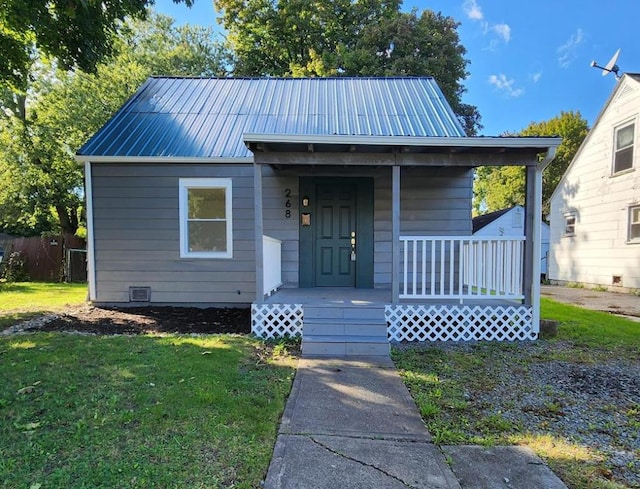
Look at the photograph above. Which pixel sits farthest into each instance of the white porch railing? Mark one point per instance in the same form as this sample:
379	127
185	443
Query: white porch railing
271	264
454	267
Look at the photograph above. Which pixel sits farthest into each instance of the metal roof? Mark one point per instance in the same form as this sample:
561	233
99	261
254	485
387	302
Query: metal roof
207	117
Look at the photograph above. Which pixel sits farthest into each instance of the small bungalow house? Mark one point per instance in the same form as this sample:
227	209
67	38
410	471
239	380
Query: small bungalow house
510	222
595	209
338	208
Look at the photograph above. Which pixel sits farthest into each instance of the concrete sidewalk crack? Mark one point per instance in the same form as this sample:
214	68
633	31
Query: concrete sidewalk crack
364	464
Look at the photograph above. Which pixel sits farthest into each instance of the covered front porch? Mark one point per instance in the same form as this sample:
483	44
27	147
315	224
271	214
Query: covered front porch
428	286
450	289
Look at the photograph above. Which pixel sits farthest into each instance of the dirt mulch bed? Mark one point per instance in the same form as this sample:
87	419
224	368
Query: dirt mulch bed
143	320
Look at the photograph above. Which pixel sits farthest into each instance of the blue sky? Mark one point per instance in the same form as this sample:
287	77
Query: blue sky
529	60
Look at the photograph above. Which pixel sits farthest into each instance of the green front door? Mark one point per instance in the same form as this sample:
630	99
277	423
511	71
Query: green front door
335	232
332	208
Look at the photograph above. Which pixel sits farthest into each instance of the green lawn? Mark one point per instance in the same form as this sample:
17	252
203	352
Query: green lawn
445	383
601	331
23	300
146	411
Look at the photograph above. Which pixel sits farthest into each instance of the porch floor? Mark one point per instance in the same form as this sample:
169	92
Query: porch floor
348	321
350	296
340	296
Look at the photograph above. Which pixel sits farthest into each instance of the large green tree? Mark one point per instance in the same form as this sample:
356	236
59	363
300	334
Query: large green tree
74	32
497	188
41	130
347	38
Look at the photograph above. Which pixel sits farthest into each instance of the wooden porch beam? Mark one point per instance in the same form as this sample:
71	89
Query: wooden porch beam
529	218
395	234
537	250
257	188
350	158
533	230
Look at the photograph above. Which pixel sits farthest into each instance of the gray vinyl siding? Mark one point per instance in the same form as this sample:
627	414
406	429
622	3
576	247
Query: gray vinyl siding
137	236
275	221
433	201
136	226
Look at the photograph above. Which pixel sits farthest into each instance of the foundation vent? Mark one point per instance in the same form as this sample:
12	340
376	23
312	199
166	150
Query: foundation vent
616	280
139	294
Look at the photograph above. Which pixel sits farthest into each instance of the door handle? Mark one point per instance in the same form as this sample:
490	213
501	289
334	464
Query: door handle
353	246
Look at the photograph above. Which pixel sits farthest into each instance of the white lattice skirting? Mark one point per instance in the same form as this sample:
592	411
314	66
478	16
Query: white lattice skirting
459	323
276	320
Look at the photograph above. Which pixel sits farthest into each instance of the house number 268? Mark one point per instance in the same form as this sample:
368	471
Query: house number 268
287	203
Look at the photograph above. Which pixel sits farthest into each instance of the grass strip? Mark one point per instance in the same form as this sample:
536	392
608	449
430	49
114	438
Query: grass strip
20	301
145	411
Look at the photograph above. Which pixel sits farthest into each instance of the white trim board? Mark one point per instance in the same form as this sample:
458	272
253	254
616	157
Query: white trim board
91	249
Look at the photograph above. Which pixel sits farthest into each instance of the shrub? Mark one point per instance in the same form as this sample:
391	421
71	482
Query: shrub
15	268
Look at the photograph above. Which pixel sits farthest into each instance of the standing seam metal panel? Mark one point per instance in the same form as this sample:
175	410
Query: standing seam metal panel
206	117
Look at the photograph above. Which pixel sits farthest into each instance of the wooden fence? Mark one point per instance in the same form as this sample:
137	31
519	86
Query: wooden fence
47	257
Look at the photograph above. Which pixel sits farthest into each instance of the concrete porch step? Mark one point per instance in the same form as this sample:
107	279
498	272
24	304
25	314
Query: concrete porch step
344	345
328	311
344	330
340	327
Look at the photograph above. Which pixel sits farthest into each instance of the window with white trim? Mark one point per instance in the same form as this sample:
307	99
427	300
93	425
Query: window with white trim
205	218
623	148
569	224
634	223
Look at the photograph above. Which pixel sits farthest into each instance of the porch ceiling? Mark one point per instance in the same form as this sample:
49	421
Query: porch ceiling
281	149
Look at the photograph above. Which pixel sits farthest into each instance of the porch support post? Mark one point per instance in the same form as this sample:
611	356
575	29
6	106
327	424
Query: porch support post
257	187
395	234
533	230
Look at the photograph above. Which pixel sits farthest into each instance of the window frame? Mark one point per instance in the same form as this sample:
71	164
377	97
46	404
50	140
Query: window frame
517	218
631	239
186	184
567	216
615	150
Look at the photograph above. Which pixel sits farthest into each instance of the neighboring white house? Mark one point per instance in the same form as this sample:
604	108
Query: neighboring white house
595	210
510	222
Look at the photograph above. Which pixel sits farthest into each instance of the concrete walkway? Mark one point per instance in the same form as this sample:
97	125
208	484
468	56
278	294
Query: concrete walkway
351	423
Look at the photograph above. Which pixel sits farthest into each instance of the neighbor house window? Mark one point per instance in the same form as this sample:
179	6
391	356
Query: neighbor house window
634	223
516	218
205	218
623	148
569	224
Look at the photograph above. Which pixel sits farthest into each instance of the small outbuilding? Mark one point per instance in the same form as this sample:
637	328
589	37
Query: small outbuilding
510	222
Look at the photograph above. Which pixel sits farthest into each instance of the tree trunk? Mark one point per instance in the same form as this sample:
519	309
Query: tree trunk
68	220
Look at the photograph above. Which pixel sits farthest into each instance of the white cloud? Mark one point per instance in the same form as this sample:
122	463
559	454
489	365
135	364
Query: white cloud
472	10
503	31
535	77
504	84
567	51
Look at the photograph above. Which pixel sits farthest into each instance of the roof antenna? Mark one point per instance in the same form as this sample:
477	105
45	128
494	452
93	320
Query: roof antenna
611	66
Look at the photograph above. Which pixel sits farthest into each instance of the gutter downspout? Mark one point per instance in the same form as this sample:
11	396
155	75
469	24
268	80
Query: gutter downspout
537	238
